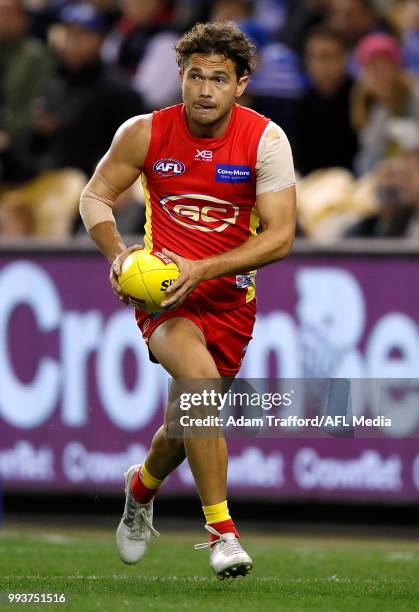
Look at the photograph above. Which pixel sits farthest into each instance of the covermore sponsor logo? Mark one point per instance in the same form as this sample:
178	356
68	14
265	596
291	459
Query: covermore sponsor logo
225	173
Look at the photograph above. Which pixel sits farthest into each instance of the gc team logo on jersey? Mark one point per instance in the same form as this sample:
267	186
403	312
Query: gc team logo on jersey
225	173
200	212
169	167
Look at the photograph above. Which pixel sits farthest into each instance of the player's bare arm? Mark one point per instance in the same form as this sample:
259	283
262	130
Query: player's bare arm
116	172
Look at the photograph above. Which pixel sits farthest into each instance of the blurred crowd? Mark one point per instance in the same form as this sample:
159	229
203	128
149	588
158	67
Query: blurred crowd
340	76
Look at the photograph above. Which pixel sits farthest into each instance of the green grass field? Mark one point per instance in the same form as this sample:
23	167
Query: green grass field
290	573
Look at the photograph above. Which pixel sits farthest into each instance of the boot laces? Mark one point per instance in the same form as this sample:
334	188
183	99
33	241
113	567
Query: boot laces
231	546
137	521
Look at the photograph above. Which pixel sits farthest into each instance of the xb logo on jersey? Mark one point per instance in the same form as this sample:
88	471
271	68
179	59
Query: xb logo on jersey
200	212
169	167
203	155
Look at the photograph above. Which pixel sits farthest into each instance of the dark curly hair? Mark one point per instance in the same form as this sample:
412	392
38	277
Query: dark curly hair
221	38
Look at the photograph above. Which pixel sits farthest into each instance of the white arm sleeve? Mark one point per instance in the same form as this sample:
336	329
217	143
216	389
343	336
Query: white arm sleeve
274	165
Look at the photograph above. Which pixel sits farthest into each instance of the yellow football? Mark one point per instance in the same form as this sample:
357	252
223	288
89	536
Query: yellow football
144	278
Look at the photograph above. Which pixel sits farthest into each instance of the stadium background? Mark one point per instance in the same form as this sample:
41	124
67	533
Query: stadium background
78	397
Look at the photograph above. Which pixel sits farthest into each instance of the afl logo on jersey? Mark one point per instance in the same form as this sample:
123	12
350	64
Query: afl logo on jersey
169	167
200	212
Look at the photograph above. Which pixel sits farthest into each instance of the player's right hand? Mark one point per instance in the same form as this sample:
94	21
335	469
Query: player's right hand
115	271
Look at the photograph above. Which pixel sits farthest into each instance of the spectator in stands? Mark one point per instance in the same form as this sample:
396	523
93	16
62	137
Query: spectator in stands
231	10
278	82
140	22
277	85
156	77
355	19
271	15
24	67
409	23
45	13
241	12
409	188
84	104
188	12
395	212
85	101
325	136
385	101
302	16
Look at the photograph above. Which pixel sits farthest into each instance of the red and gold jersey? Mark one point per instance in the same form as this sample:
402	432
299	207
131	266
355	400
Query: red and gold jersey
200	195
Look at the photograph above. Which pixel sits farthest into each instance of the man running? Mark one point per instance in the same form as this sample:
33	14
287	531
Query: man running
219	186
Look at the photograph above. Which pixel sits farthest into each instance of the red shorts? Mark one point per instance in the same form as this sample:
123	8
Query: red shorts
227	332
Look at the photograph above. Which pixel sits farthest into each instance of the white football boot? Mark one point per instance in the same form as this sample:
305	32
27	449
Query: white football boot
227	557
133	533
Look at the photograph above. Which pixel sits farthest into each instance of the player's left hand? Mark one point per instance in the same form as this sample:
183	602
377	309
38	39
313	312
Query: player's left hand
189	277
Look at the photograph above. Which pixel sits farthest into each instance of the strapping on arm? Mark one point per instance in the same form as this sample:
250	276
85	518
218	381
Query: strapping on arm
96	202
274	166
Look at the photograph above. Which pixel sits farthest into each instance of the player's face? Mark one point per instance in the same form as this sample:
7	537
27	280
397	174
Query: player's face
210	87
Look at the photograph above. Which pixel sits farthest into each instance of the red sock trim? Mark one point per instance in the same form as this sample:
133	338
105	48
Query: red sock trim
227	526
140	492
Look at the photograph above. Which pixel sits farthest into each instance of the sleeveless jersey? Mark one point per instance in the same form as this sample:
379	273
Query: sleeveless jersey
200	196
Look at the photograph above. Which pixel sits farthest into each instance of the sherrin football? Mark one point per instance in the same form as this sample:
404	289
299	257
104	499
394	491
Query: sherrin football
144	278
